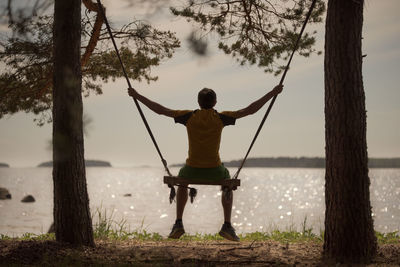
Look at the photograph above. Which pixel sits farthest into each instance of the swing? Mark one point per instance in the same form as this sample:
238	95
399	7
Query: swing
227	184
232	184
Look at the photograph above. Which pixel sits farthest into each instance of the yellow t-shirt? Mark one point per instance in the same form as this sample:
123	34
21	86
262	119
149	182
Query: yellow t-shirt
204	128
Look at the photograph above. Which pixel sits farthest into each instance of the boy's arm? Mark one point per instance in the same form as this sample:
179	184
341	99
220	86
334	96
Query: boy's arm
154	106
256	105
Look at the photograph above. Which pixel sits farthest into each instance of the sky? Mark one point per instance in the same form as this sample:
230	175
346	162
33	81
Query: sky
295	126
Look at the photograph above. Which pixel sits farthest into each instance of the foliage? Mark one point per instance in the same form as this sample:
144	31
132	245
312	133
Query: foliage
254	31
18	13
26	80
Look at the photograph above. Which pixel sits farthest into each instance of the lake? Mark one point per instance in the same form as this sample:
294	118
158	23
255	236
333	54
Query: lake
269	198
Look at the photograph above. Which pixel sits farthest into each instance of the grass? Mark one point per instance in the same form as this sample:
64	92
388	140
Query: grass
143	235
30	236
388	238
107	228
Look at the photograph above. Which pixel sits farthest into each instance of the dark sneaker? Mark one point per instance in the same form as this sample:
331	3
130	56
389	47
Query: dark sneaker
228	232
177	230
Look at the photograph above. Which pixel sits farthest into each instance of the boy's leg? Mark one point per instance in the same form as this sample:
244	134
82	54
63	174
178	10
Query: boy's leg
181	199
227	201
227	231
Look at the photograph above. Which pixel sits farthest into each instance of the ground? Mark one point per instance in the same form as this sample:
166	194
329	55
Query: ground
177	253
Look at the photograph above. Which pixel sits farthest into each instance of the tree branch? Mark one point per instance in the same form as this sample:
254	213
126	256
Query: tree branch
91	6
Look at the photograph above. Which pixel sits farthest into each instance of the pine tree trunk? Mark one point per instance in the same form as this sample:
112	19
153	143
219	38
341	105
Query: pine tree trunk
72	218
349	232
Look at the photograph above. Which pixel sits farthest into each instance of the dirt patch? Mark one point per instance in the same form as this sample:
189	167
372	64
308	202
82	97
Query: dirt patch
177	253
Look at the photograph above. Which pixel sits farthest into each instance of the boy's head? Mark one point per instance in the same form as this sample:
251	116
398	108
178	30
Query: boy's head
207	98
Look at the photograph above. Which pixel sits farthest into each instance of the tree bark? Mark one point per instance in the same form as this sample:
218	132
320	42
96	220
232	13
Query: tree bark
72	218
349	232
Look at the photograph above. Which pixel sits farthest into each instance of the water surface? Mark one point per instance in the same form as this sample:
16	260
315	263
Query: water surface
269	198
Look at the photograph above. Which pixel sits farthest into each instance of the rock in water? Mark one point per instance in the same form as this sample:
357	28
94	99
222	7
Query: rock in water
4	194
28	198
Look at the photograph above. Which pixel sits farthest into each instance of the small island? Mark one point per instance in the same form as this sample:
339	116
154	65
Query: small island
4	165
88	163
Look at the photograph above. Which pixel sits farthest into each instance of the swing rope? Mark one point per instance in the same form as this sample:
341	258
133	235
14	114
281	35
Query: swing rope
280	83
172	193
164	162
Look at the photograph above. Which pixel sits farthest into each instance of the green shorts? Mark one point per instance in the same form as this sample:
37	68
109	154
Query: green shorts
215	174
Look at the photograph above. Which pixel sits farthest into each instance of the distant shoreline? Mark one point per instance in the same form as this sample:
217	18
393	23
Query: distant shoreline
302	162
259	162
88	163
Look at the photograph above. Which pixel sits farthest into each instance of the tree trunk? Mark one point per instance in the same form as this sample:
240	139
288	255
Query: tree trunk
349	232
72	218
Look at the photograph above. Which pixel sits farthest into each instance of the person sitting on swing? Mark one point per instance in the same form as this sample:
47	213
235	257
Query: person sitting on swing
204	127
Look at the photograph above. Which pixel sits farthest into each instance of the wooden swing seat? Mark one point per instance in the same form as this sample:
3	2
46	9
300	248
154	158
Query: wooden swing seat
174	180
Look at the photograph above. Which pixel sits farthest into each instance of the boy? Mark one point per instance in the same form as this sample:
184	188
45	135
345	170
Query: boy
204	129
